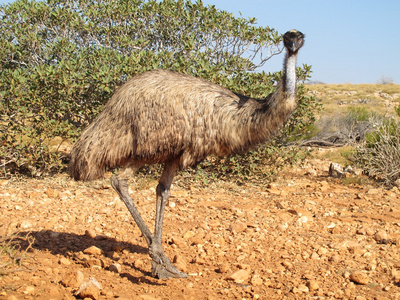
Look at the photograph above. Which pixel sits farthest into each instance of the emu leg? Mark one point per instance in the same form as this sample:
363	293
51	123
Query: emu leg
121	187
161	266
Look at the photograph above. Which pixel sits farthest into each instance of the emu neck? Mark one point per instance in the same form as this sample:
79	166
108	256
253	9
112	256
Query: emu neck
289	74
277	107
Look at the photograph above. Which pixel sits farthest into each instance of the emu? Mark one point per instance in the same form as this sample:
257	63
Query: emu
177	120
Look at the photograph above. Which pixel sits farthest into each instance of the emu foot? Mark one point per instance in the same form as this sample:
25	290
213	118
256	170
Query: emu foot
164	271
161	266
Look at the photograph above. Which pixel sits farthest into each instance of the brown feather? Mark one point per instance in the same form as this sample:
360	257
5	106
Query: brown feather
161	115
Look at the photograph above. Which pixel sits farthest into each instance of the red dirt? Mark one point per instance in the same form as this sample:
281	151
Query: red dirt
306	236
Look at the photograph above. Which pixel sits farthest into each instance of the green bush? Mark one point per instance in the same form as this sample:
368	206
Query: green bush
61	60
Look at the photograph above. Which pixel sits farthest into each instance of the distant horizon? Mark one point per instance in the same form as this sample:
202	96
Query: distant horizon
346	41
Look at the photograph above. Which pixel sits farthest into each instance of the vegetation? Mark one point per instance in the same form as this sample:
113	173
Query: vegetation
366	119
13	252
61	60
379	155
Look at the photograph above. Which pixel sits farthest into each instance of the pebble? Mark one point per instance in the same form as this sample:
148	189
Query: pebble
64	261
223	268
381	237
240	276
139	264
264	250
256	280
189	234
322	251
303	288
237	227
180	263
366	231
313	285
115	267
336	171
90	233
101	237
287	264
93	250
359	277
178	242
25	224
373	191
89	289
29	290
73	279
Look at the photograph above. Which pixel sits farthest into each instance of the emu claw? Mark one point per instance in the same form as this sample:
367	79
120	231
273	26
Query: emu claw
161	266
164	271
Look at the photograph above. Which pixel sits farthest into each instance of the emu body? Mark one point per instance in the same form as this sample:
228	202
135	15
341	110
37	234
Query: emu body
161	115
166	117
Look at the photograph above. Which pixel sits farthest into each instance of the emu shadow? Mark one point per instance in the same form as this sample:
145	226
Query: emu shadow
66	244
71	244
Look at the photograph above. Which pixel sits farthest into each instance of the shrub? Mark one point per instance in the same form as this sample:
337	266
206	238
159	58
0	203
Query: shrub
61	60
379	155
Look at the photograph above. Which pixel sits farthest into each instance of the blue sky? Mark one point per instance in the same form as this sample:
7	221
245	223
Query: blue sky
347	41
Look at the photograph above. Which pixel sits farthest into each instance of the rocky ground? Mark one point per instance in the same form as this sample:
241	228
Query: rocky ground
306	236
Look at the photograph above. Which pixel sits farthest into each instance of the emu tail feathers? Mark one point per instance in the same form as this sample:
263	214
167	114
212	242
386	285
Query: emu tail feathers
83	164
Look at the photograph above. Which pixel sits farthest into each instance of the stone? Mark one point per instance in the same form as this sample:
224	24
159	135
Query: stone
359	277
381	237
51	193
336	171
115	267
256	280
223	268
189	234
25	224
287	264
313	285
93	250
180	263
64	261
113	255
89	289
335	258
303	288
73	279
240	276
93	262
237	227
178	242
373	192
101	237
322	251
366	231
29	290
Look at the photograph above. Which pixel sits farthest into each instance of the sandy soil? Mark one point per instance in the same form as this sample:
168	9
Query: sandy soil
306	236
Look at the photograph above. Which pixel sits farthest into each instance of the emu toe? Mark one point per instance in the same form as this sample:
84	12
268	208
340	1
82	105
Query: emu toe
161	266
166	270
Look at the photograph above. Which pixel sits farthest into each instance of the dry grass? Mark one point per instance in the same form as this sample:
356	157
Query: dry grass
336	98
13	256
338	155
375	101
